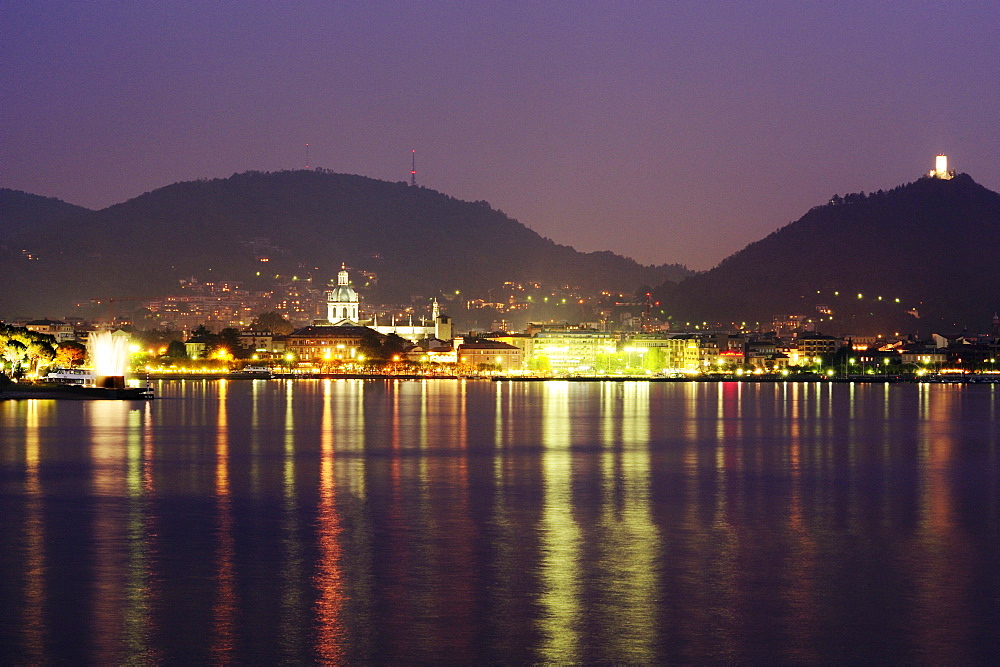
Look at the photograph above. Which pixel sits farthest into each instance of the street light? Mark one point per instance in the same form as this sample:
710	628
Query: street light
628	359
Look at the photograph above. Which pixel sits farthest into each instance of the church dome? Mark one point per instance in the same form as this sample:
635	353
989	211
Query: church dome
342	294
342	300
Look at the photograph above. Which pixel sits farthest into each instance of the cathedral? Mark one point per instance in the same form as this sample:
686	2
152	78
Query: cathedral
342	311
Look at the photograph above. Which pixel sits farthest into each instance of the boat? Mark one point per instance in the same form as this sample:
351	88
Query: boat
252	372
81	376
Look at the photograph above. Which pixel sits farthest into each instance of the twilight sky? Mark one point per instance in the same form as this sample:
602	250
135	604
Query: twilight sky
665	131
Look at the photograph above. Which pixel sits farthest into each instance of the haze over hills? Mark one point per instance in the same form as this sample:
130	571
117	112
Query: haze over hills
21	212
933	245
293	223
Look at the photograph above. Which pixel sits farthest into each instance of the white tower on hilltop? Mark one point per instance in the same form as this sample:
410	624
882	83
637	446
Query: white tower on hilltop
342	301
940	169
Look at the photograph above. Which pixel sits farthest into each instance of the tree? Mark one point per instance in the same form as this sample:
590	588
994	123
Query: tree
176	350
70	353
371	345
393	345
273	322
15	353
40	353
156	339
229	338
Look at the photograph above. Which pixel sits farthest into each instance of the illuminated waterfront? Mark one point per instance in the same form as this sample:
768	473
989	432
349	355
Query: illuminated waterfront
358	521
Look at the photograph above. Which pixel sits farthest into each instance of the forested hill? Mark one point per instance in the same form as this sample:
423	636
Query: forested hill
920	257
305	223
21	212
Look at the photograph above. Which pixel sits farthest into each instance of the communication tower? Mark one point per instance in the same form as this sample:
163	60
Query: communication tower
413	168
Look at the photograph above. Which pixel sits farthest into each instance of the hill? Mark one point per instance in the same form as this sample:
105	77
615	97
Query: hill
304	223
21	212
922	256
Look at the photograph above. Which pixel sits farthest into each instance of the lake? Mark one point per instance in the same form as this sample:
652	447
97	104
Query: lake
356	521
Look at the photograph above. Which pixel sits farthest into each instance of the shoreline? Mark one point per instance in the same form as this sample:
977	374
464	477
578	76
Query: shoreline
78	393
74	393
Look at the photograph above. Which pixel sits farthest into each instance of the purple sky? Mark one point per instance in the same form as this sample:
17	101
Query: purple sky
665	131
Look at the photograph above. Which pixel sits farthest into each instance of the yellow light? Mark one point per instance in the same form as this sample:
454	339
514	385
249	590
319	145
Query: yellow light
941	166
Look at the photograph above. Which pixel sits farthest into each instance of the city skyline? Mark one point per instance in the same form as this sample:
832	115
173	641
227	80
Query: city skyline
668	134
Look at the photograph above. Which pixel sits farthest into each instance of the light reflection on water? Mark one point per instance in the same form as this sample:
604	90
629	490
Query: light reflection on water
352	521
34	605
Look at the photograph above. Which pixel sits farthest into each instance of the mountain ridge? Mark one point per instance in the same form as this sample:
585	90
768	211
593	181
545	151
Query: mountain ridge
305	223
932	243
21	211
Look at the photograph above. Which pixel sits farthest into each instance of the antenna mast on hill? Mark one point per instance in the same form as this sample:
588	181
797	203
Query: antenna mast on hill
307	156
413	168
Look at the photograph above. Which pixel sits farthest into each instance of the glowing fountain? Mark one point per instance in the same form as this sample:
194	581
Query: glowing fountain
109	358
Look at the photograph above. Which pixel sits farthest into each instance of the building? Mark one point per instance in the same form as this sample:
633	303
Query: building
575	350
319	344
924	357
432	351
670	353
342	301
439	326
524	342
61	331
264	344
196	346
343	309
815	345
488	355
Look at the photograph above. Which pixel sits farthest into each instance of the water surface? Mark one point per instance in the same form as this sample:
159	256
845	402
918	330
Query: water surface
360	521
